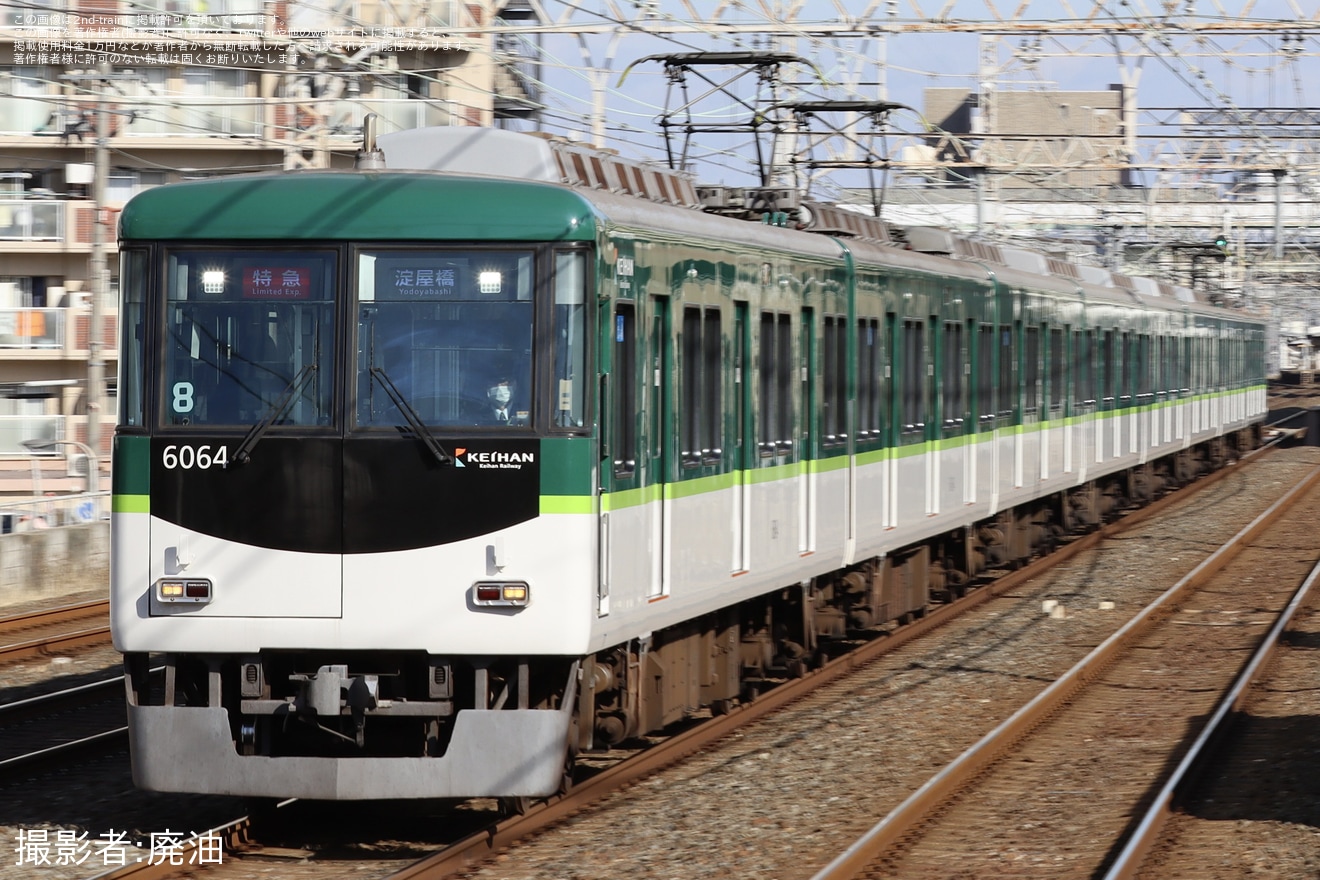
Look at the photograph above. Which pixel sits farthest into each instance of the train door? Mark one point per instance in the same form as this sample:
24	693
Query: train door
743	460
623	521
659	440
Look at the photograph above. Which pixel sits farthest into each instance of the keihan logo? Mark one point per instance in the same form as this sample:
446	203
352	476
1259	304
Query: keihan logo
501	460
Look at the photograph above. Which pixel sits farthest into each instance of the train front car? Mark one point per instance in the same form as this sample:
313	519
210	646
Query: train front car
350	481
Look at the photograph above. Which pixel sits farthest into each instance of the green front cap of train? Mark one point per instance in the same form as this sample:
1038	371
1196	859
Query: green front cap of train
363	206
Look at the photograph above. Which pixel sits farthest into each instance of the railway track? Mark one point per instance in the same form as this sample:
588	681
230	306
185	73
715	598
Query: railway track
65	725
460	855
1052	791
54	630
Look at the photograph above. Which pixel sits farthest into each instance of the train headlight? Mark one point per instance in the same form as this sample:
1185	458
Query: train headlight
196	591
513	594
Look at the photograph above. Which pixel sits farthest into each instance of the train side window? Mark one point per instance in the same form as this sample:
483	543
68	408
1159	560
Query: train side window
132	343
1031	396
1146	372
834	412
914	377
784	369
954	386
775	434
765	433
1083	369
985	374
1107	367
570	328
868	378
1058	376
1007	368
701	391
623	381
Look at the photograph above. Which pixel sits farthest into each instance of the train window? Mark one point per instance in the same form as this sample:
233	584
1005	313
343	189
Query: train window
1058	376
1031	390
132	343
954	377
702	375
570	327
834	410
775	433
623	377
1108	367
445	337
1128	362
249	336
1083	369
1146	368
914	377
1007	369
868	378
985	374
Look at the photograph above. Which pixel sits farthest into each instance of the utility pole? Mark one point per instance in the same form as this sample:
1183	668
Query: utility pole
100	285
100	275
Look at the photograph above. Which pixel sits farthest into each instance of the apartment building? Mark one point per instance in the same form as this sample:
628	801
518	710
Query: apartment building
183	89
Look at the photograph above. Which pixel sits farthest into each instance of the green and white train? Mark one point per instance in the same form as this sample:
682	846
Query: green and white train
717	445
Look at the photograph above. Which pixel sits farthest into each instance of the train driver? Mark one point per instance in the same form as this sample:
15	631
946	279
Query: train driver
501	410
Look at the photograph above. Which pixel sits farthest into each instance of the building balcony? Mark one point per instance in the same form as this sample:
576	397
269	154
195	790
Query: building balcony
185	122
31	334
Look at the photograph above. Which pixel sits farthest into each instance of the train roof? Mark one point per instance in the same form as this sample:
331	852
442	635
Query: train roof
363	205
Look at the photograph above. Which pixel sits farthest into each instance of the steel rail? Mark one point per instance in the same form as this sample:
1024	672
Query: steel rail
83	638
479	846
979	756
59	614
1146	835
50	617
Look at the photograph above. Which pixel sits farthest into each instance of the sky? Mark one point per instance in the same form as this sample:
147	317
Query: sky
1226	55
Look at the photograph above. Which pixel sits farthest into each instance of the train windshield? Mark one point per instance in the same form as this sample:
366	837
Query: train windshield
444	336
244	331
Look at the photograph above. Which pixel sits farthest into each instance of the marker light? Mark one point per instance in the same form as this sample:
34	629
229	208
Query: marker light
196	591
489	282
213	281
501	593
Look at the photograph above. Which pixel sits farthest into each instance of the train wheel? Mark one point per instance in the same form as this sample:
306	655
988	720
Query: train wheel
721	707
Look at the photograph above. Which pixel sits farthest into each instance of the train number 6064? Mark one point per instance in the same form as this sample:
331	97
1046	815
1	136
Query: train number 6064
189	457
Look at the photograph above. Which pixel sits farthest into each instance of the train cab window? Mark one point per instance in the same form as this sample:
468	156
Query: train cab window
445	338
569	392
701	411
132	343
249	337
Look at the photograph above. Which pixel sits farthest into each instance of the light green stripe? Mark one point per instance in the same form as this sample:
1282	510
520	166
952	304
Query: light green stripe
131	504
566	504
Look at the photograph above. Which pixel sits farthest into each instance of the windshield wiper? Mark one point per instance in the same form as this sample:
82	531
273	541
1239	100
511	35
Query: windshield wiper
410	415
244	452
